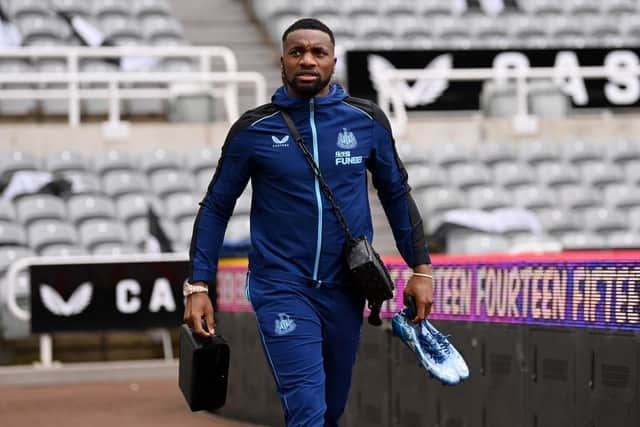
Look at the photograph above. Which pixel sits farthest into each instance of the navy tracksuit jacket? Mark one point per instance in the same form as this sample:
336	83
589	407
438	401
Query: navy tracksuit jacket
308	320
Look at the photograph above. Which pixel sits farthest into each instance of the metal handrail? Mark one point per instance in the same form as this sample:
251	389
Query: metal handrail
229	77
390	100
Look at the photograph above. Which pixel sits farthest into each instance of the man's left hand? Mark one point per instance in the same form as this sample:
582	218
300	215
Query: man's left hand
421	289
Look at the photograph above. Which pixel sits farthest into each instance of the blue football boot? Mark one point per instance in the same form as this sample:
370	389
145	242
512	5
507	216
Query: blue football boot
452	356
418	338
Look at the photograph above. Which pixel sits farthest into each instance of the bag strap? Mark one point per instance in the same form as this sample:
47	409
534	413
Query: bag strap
316	171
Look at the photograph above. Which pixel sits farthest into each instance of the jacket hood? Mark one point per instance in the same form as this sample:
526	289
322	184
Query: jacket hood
281	98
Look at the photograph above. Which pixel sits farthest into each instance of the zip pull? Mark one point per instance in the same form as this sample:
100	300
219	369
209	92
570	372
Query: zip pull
311	104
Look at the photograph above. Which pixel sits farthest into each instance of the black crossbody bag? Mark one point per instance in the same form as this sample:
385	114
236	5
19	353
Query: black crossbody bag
368	274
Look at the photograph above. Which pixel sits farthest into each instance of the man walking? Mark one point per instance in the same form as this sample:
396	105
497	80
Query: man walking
308	317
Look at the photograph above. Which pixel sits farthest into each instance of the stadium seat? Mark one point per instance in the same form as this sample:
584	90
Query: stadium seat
623	150
322	8
73	7
489	35
603	31
412	31
583	8
34	207
581	240
622	196
489	198
426	176
579	196
434	8
525	31
9	254
238	230
555	175
82	208
243	204
156	26
36	30
20	9
623	240
359	8
165	182
113	160
45	233
450	153
477	243
536	152
83	182
278	8
494	153
203	158
95	232
12	234
535	198
7	211
394	8
631	29
439	200
600	174
17	160
121	30
181	206
542	8
619	7
468	175
342	31
111	8
412	154
632	172
203	178
605	220
114	249
158	159
96	106
143	8
139	231
131	207
65	161
374	30
580	151
16	107
185	230
556	221
52	107
547	99
63	250
498	99
513	175
534	243
452	32
119	183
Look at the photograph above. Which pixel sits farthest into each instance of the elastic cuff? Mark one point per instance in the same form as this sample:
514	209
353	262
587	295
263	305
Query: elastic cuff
423	259
202	276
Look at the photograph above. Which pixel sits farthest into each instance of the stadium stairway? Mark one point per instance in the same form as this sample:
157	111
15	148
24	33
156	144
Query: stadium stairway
230	23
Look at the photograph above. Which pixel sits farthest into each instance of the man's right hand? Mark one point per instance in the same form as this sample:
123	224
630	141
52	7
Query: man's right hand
197	307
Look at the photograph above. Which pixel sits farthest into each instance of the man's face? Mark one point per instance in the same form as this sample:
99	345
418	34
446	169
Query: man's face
308	61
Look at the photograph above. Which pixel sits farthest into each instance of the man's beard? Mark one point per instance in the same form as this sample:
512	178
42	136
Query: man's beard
308	91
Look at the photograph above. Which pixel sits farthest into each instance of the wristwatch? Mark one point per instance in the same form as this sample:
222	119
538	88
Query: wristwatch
188	289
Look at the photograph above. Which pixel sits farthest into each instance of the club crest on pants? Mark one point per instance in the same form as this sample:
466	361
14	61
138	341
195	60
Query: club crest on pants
284	324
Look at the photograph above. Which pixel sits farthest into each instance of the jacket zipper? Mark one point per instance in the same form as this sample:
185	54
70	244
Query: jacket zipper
316	158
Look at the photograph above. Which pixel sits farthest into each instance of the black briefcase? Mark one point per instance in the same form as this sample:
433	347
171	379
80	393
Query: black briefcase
203	370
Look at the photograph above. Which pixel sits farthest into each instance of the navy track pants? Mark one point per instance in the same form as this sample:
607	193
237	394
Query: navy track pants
310	338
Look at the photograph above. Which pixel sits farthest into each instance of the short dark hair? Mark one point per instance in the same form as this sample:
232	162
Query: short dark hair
308	24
